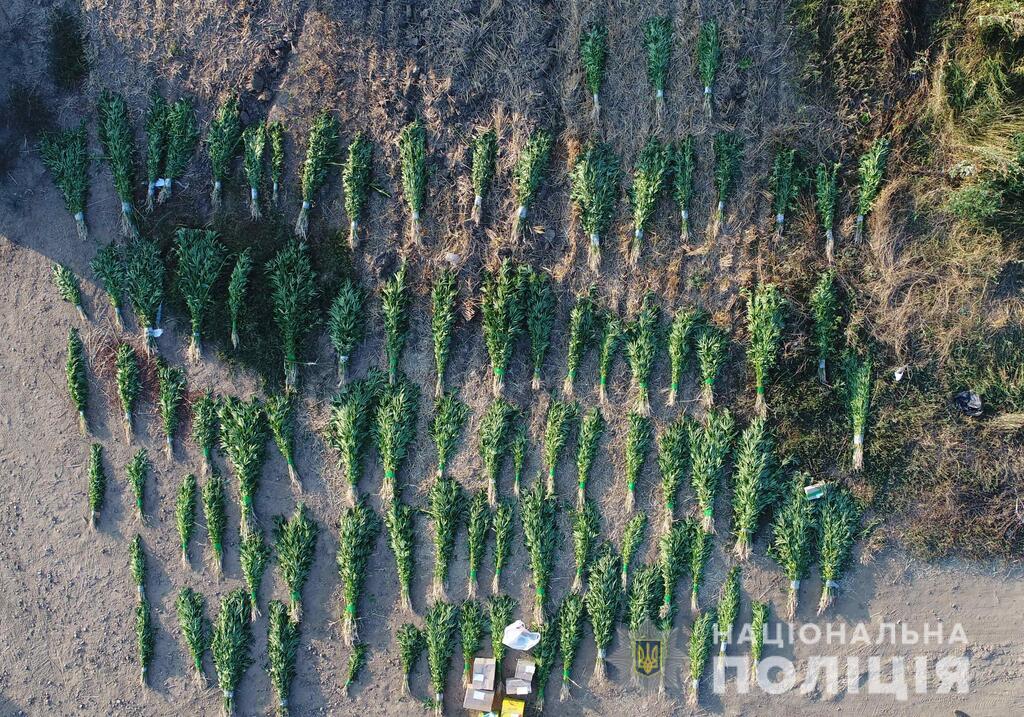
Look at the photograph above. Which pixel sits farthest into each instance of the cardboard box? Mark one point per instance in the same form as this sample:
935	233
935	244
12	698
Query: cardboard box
482	700
484	672
518	687
525	669
511	707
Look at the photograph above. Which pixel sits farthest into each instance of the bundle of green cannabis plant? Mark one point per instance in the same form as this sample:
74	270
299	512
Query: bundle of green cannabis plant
611	334
700	647
785	183
712	348
586	528
539	297
595	190
254	144
593	53
215	510
396	428
503	317
825	304
561	420
243	437
118	142
412	152
709	54
346	323
728	608
500	609
478	524
649	178
136	472
156	144
471	635
681	340
442	622
858	398
275	134
641	350
230	642
78	381
411	642
673	450
204	427
295	541
495	427
758	625
283	637
710	443
350	425
144	284
200	259
321	152
292	291
484	152
97	483
395	298
238	284
356	183
839	517
602	603
826	192
222	140
446	508
674	550
583	324
684	166
527	175
502	523
793	530
182	137
443	296
185	514
591	429
357	536
871	173
638	440
129	384
191	608
632	539
571	614
540	533
658	49
728	153
398	520
171	392
765	307
253	557
68	288
751	483
109	269
65	154
280	410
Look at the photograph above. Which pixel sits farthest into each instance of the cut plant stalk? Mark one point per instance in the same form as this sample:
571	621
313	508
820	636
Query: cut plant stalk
484	152
280	409
641	351
346	325
758	624
478	524
765	308
446	508
443	296
395	300
137	566
185	514
254	142
401	536
117	139
540	315
97	483
129	384
611	334
583	325
593	53
858	397
561	420
826	190
182	138
503	317
442	622
681	340
295	541
411	642
658	49
356	663
839	523
595	190
700	648
145	637
204	427
471	634
712	350
545	654
571	614
136	472
68	288
632	539
638	440
200	259
709	55
243	437
540	533
109	269
586	529
230	642
396	428
191	609
728	608
728	154
644	598
215	510
292	292
253	557
412	152
673	450
527	175
684	166
222	142
674	550
350	426
500	609
77	379
65	154
144	284
321	152
793	530
602	603
275	134
649	179
710	443
283	635
356	178
825	305
238	285
751	484
156	144
785	183
591	429
357	537
871	173
502	522
171	392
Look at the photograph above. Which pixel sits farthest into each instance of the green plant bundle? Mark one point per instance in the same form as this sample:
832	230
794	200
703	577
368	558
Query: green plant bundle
230	641
137	565
583	326
191	609
65	154
396	428
350	425
275	135
495	429
546	653
674	550
295	541
870	173
67	286
642	349
170	394
222	140
356	179
858	398
471	635
520	442
77	379
321	152
728	154
591	429
346	324
156	143
97	487
355	664
145	637
136	472
398	520
283	637
673	450
710	443
450	416
593	54
540	316
765	321
728	608
238	285
785	184
658	49
709	55
502	523
204	427
632	539
411	642
561	419
644	598
825	306
292	293
243	437
200	258
484	151
109	270
478	524
839	517
443	296
602	603
540	533
649	179
826	193
446	503
681	343
117	139
638	440
611	335
752	489
528	173
395	300
500	610
215	510
253	557
254	146
442	622
594	190
793	530
144	284
684	167
280	410
357	536
571	614
185	514
586	529
758	625
182	138
129	384
700	647
412	153
503	317
712	351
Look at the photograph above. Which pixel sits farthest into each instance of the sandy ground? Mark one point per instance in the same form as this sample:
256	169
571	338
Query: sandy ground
67	599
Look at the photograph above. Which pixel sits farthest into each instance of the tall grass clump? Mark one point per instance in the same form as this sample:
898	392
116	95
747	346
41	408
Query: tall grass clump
346	323
356	178
182	138
641	351
593	55
117	139
200	259
527	175
594	191
826	193
222	141
292	291
443	296
709	55
395	299
649	179
321	152
540	533
825	305
870	173
65	154
793	530
484	153
765	307
752	483
503	317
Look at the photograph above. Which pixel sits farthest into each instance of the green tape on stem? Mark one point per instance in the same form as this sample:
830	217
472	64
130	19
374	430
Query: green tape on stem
295	596
709	381
583	484
709	512
472	574
631	485
350	608
540	592
675	385
247	501
760	390
389	474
